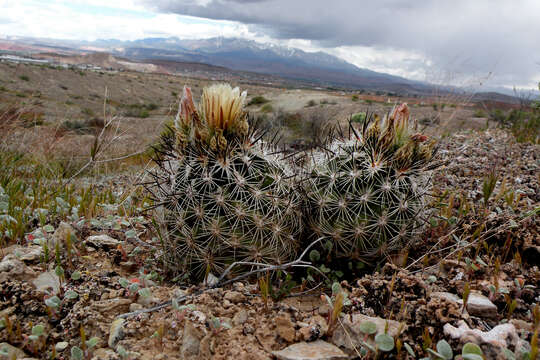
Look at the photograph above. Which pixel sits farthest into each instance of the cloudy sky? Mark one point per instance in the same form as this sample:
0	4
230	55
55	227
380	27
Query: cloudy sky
462	42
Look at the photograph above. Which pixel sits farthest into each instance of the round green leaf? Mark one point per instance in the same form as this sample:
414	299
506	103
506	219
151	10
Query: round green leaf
384	342
144	292
445	350
314	255
472	357
368	327
38	330
76	353
471	348
76	275
70	294
92	342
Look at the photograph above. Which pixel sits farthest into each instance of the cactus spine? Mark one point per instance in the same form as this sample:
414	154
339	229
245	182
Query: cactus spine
366	194
224	197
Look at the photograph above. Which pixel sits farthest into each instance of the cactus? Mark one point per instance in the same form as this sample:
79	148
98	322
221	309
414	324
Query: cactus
224	197
365	194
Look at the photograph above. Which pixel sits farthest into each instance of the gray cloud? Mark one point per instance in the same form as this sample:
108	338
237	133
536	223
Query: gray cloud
460	35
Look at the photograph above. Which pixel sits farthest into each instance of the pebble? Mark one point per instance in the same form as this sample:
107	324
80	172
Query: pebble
317	350
240	317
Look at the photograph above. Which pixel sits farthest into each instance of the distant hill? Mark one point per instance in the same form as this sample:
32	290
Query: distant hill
239	57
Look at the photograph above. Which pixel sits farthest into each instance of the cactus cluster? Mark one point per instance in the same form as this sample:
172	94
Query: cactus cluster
366	193
225	197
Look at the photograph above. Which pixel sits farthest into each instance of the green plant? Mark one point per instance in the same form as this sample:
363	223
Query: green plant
266	108
258	100
354	98
366	195
358	118
24	78
311	103
224	199
336	303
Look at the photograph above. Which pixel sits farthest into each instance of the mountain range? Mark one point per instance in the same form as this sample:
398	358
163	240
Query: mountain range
315	68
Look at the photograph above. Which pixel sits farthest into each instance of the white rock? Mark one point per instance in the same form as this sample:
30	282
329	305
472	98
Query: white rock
477	304
316	350
47	282
492	342
102	241
11	268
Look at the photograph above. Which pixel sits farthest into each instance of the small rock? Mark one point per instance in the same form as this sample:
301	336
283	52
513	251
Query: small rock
317	350
240	317
13	352
248	329
522	325
191	341
47	282
11	268
60	235
199	316
477	304
61	346
116	332
284	328
234	296
102	241
28	254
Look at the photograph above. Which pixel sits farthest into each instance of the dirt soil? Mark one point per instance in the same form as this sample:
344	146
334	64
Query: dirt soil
234	322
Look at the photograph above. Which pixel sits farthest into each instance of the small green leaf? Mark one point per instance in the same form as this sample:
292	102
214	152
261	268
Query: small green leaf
314	256
471	348
92	342
384	342
124	282
38	330
472	357
131	234
133	287
445	350
70	294
76	275
368	327
144	292
48	228
509	355
59	271
53	302
336	288
76	353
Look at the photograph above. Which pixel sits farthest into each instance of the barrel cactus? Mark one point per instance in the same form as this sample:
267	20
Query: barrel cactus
365	194
223	196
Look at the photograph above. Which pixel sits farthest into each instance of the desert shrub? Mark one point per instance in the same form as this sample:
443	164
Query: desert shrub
258	100
311	103
524	125
24	78
266	108
354	98
358	117
479	113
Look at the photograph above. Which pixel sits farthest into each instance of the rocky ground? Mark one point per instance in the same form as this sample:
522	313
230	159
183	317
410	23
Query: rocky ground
111	267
